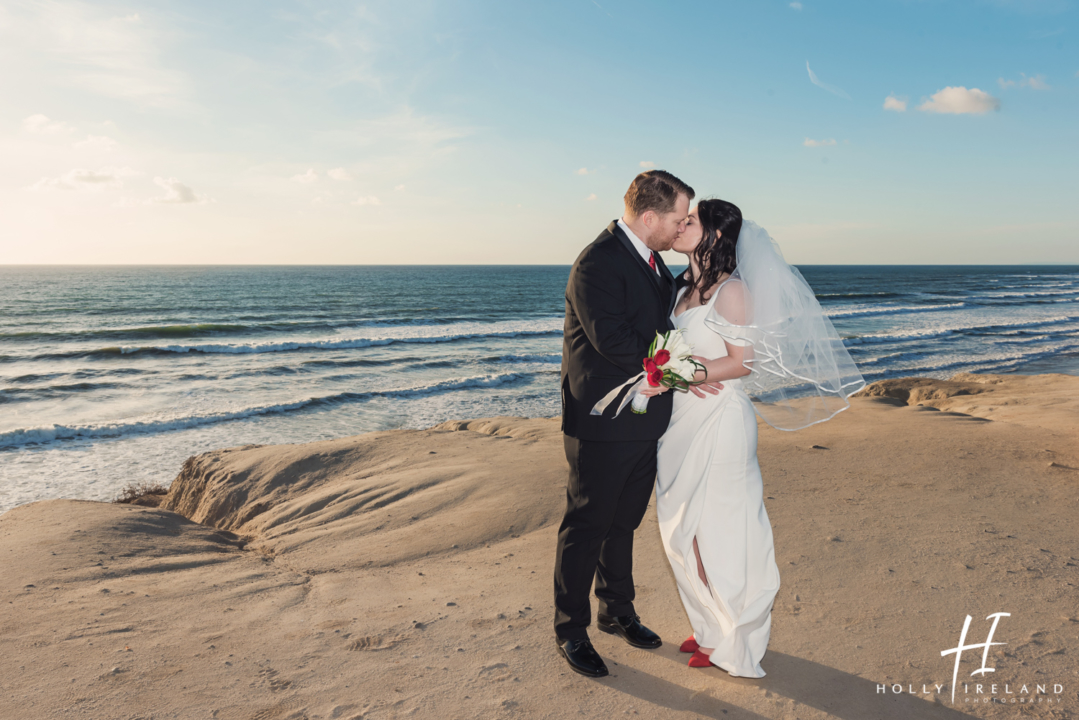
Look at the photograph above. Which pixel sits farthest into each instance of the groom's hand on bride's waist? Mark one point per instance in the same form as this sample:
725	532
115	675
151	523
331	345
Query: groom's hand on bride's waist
711	388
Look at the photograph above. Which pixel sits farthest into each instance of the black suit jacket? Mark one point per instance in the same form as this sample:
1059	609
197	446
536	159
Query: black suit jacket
615	305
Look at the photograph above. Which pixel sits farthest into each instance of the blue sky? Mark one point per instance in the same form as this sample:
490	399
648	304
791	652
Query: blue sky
507	132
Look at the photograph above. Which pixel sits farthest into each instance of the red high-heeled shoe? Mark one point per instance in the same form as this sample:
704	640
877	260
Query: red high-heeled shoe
690	645
699	660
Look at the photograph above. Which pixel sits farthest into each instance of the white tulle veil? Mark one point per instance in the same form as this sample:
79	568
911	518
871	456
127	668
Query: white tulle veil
800	371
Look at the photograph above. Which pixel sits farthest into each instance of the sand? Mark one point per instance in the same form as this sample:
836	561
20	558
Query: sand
408	574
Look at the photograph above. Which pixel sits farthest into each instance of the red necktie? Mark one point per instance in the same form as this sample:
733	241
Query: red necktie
652	261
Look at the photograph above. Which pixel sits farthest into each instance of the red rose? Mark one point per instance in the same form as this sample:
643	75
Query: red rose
649	365
662	357
654	377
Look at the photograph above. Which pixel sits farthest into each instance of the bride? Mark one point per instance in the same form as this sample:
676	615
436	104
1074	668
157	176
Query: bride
756	326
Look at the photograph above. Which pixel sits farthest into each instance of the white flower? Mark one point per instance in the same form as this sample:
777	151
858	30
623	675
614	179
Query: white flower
676	345
685	370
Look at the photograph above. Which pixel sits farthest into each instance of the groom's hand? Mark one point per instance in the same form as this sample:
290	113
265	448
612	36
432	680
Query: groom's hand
711	388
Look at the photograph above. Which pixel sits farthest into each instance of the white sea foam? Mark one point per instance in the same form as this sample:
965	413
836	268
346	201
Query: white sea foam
436	334
891	310
533	358
987	363
1048	293
54	433
931	333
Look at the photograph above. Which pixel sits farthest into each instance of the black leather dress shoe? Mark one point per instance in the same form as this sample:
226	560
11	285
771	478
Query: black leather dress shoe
630	628
582	657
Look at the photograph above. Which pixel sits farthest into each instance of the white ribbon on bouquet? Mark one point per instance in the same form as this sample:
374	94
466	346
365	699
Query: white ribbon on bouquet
639	401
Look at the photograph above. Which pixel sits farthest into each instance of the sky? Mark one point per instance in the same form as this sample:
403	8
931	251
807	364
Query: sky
464	131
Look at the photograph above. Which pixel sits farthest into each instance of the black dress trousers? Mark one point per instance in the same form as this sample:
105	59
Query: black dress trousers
606	497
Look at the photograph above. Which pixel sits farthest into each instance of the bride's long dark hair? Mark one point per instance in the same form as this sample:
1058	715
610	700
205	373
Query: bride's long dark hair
721	222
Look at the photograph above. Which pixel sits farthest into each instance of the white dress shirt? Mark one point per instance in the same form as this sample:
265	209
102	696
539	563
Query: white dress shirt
641	248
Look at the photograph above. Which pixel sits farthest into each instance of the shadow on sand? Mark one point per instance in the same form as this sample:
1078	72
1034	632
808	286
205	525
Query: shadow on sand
840	694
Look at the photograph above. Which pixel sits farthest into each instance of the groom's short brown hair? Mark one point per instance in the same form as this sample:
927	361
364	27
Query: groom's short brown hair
655	190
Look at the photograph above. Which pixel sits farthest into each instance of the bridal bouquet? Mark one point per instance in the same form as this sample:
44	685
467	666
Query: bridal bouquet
669	363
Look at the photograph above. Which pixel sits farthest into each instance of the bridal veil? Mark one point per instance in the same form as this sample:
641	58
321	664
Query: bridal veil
800	371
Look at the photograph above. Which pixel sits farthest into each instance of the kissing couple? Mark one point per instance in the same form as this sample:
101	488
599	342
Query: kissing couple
765	348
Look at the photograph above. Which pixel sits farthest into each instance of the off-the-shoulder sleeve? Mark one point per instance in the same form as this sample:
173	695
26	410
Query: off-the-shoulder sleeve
731	314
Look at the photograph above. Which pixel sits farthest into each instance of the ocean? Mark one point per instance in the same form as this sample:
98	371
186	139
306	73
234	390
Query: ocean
115	375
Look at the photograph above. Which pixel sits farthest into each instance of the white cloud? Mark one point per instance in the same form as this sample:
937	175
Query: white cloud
43	125
591	197
176	193
308	177
1036	82
337	174
897	104
399	187
818	143
796	5
582	171
83	179
96	142
369	200
647	164
824	86
960	101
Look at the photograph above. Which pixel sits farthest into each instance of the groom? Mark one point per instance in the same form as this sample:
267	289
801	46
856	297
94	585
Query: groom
619	295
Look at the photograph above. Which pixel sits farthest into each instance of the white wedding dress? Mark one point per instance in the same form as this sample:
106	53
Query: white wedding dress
709	486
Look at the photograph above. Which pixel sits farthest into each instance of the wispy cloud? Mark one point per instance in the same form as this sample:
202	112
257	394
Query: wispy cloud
95	142
369	200
591	197
338	174
176	193
43	125
89	49
306	178
960	101
809	142
895	104
825	86
647	164
398	143
796	5
603	9
1036	82
582	171
83	179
